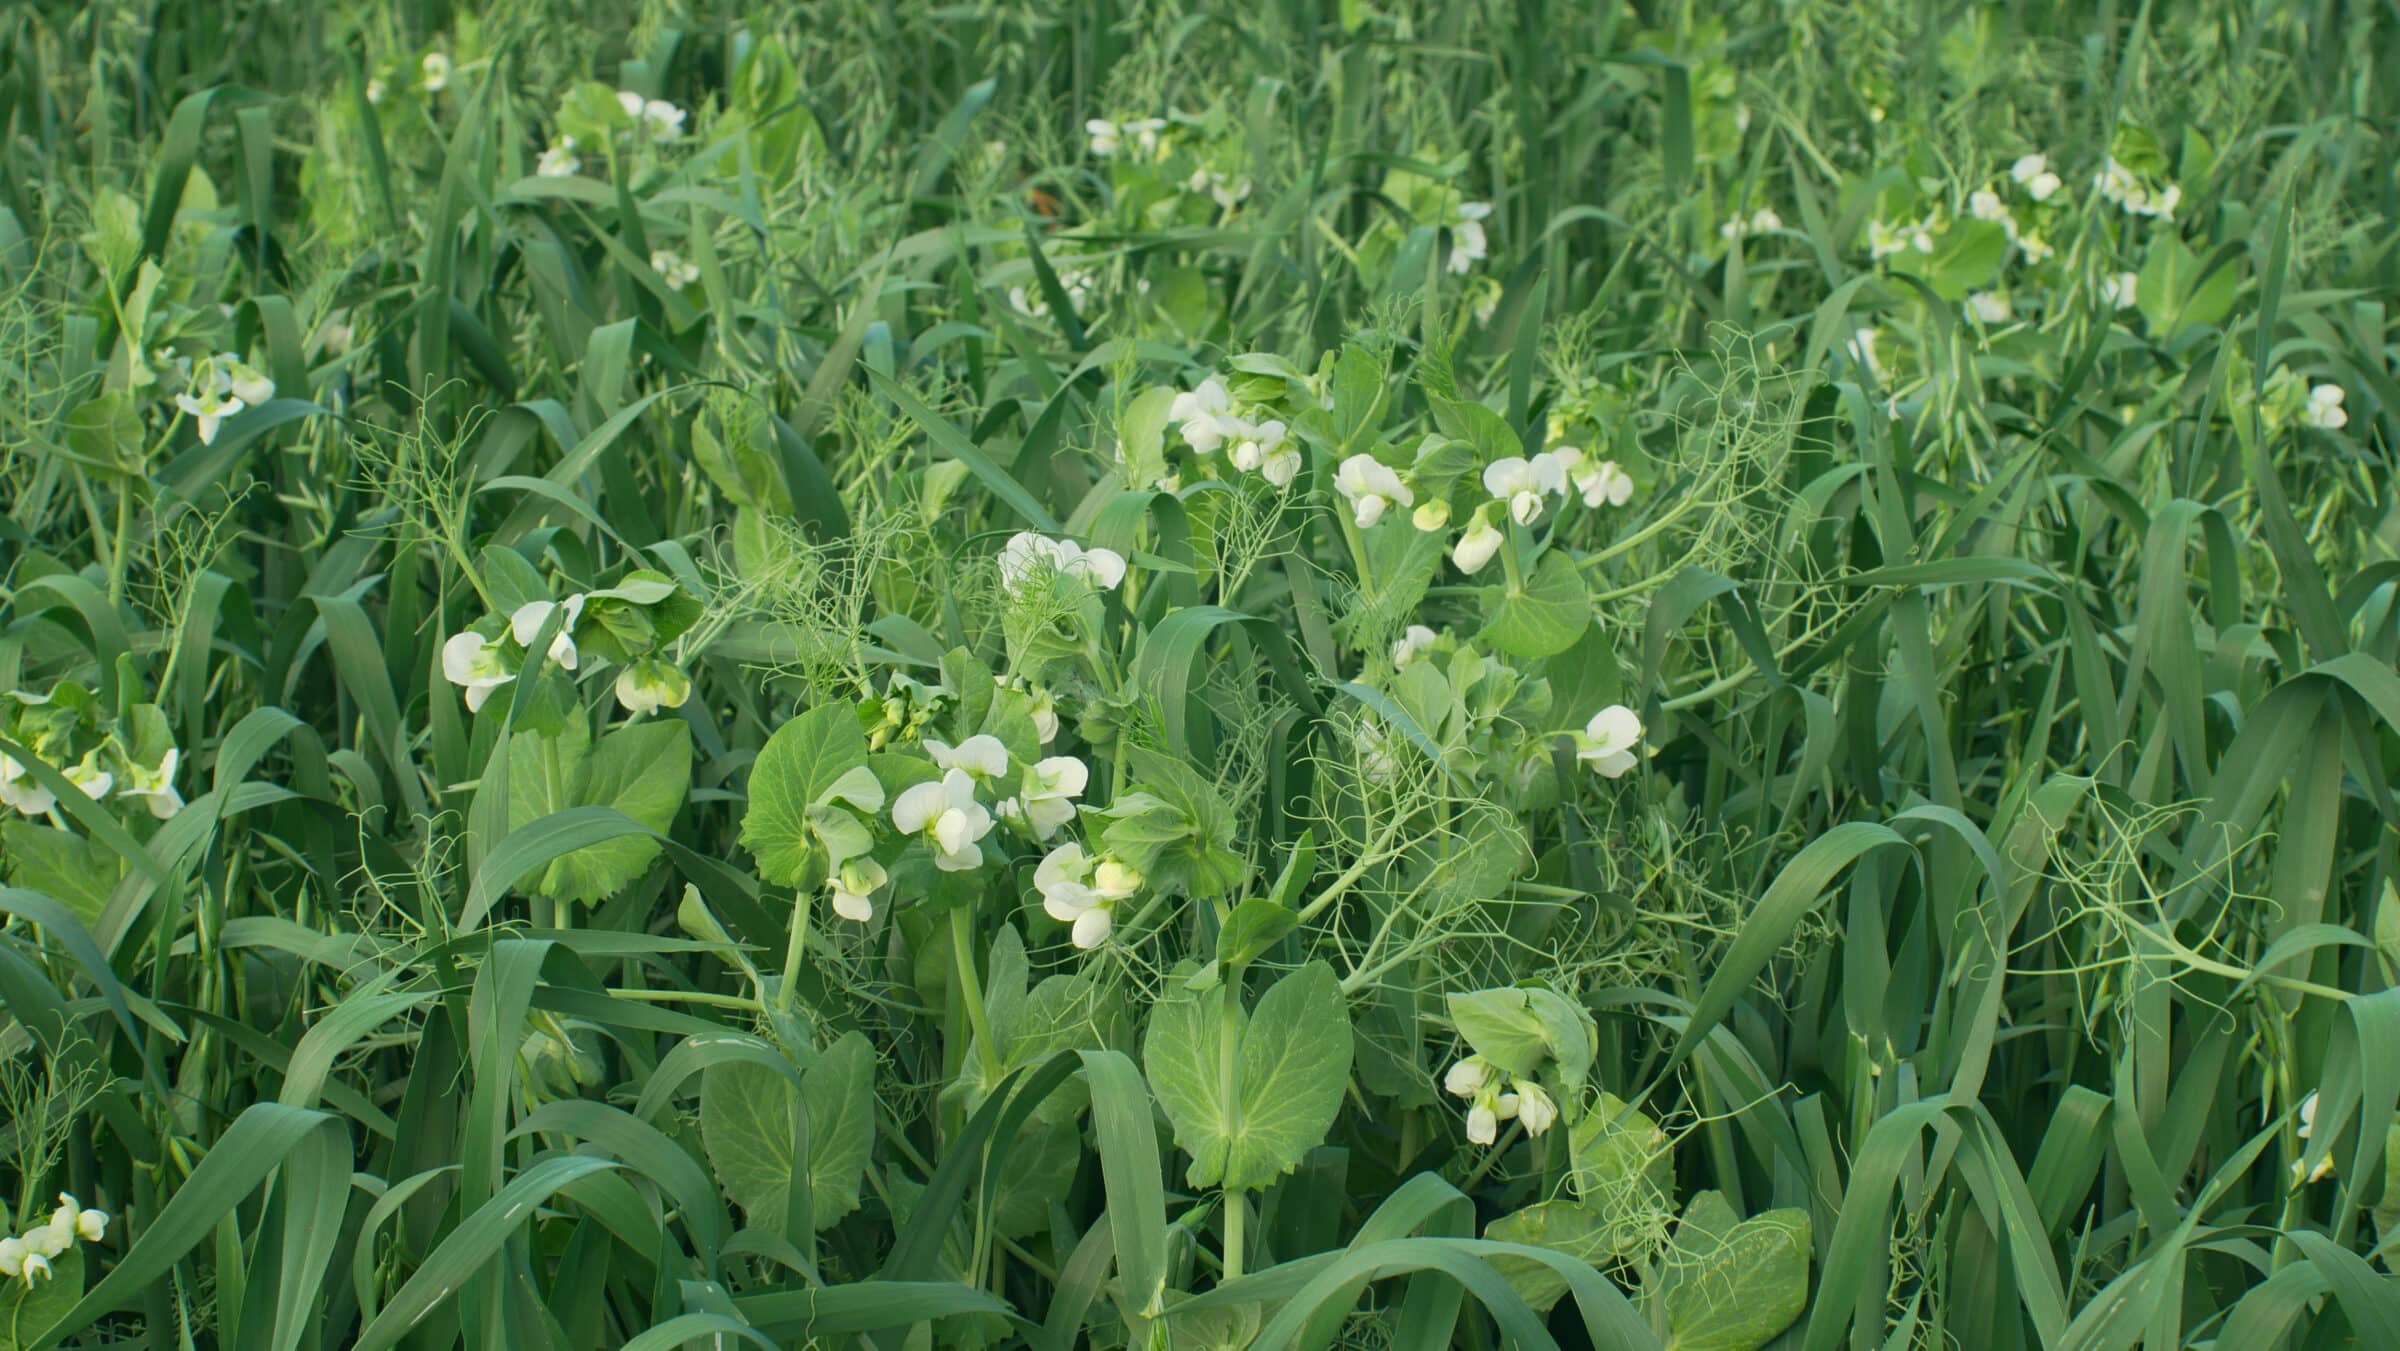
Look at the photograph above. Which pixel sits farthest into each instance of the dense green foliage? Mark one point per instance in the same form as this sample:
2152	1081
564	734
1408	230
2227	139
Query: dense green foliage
1172	674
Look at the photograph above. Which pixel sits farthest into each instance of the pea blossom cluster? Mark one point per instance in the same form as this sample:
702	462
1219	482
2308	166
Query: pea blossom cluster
1494	1096
629	623
26	1257
1253	443
1521	487
134	760
221	387
1028	557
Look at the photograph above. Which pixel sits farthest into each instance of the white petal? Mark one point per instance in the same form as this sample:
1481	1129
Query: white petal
1091	927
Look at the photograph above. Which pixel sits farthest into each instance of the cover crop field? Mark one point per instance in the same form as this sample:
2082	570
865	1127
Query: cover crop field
1167	674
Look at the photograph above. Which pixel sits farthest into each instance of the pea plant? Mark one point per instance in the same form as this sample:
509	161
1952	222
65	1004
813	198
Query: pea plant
1650	677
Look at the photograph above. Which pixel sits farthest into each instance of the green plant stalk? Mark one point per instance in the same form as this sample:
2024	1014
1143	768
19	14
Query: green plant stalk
970	990
793	952
1229	1031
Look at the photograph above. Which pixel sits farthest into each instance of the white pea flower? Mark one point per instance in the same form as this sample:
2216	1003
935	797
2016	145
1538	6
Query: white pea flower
37	1269
1105	136
854	887
2160	204
2308	1114
982	756
91	1224
1253	442
1047	801
1026	554
1281	465
434	73
2119	292
1371	487
1484	1118
1535	1107
1477	545
1884	240
209	411
1760	222
1103	568
663	121
241	379
1990	307
1523	483
1145	132
2037	249
375	89
525	623
1417	639
649	685
2116	182
559	161
1605	484
13	1253
1985	204
1468	243
674	269
1609	739
1045	712
154	786
947	815
476	664
18	789
1081	892
2032	173
89	778
1206	414
2325	408
1467	1077
48	1240
1432	515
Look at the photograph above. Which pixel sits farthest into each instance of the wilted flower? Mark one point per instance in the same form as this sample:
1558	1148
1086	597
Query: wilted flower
673	269
2325	408
947	815
1476	544
476	664
154	786
559	161
1371	487
1608	741
649	685
1206	414
854	887
1417	639
526	622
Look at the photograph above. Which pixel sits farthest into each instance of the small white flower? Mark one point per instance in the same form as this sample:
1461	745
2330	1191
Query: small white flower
673	269
1985	204
2120	291
1047	800
1523	483
1281	465
1045	713
2308	1114
242	380
1535	1107
2160	204
1603	484
1371	487
1468	243
1253	443
209	411
1145	132
92	1225
1417	639
649	685
37	1269
154	787
48	1240
476	664
375	89
2044	186
1761	221
12	1257
1884	240
1484	1118
1477	545
854	886
89	778
1990	307
1105	136
18	790
559	161
434	72
2116	182
2325	408
983	755
525	623
1081	892
2037	249
663	121
1431	515
1026	555
1206	414
1609	739
1467	1077
947	815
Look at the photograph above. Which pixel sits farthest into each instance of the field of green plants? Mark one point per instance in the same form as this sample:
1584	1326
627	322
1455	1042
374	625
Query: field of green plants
1168	674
